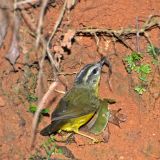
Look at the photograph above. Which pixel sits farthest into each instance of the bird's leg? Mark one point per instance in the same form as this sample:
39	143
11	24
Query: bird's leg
65	138
85	135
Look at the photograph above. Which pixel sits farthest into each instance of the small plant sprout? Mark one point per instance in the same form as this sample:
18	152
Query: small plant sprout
50	147
32	98
153	51
140	89
143	71
134	64
131	61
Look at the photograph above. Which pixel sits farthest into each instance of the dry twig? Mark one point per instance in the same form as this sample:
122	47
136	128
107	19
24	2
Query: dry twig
58	91
20	3
46	45
122	33
137	36
41	106
40	22
58	22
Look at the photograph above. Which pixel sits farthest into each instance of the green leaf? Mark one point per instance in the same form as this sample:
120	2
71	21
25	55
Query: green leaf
131	61
155	62
137	69
52	138
143	78
145	68
32	98
45	111
33	109
136	56
153	51
143	71
140	90
60	151
102	117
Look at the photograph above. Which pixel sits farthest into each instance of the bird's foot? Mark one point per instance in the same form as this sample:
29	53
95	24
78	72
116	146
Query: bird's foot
96	141
67	138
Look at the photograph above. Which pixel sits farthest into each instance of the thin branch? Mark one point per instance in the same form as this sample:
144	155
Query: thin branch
124	43
148	25
49	53
40	22
58	91
51	60
137	36
41	74
46	47
27	19
121	34
58	22
20	3
41	106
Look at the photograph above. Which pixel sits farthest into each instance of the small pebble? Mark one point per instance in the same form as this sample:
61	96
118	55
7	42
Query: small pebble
121	157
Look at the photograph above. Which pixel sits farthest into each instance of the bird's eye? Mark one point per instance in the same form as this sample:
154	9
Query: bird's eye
95	71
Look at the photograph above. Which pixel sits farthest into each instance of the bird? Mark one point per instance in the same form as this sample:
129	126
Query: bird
79	104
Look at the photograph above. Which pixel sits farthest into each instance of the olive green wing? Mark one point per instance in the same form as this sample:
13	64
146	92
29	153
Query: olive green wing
76	103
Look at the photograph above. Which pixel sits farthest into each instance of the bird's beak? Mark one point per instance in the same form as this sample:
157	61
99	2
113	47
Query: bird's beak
102	61
105	61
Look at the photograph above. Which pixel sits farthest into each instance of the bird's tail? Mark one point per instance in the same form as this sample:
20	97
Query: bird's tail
51	128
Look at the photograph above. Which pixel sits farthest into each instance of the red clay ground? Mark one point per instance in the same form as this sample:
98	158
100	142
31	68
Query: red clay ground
138	138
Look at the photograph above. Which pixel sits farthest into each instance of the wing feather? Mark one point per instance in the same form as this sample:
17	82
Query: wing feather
77	102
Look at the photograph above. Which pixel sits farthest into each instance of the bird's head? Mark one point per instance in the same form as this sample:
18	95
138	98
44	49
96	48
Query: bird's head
89	75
